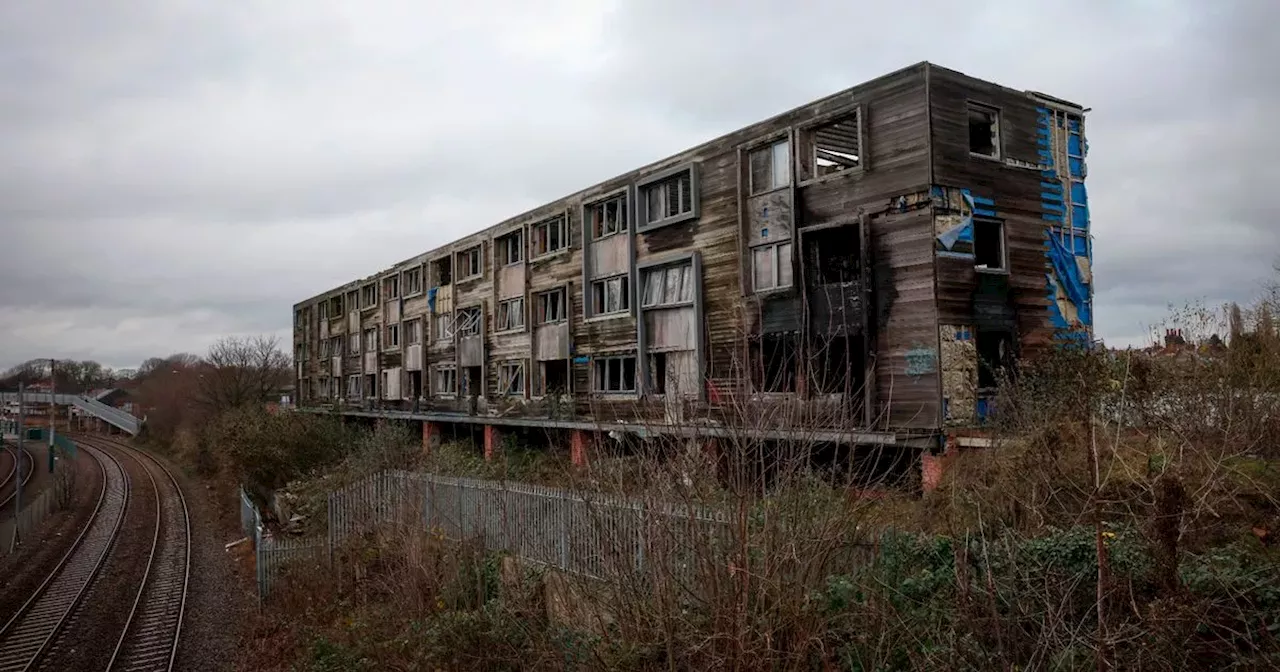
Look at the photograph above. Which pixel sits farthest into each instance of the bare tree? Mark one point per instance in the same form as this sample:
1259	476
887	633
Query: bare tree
240	371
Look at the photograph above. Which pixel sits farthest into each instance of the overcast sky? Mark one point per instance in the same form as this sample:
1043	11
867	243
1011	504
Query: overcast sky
172	171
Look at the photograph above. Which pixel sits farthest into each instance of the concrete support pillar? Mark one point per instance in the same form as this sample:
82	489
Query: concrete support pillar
581	442
432	436
492	442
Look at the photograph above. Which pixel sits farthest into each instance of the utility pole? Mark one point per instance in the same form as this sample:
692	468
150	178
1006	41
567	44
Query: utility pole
17	483
53	407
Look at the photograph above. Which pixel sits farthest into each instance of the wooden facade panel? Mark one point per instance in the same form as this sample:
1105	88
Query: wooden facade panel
551	341
511	280
610	256
471	351
671	329
769	217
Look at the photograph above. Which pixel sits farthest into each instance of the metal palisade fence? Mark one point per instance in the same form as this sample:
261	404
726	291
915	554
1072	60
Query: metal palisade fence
19	528
271	551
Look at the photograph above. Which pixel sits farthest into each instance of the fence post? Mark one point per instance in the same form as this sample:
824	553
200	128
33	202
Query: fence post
564	532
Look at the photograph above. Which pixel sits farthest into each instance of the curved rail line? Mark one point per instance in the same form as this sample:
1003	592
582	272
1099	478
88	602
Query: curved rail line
151	635
29	632
8	482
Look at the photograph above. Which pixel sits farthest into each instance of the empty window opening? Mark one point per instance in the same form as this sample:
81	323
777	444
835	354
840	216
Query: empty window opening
413	281
415	384
610	295
607	217
391	288
511	378
555	377
353	300
776	362
549	236
368	296
614	374
837	146
833	256
988	245
837	366
371	386
470	264
472	385
510	248
393	336
551	307
442	272
770	167
444	327
771	266
468	322
984	130
413	332
446	382
668	198
668	285
510	315
335	306
353	387
658	372
995	354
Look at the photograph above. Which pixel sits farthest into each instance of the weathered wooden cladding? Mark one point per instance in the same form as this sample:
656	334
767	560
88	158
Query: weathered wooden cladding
869	170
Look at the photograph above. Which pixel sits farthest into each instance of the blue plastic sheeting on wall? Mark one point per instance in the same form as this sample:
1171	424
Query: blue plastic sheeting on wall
1064	264
431	298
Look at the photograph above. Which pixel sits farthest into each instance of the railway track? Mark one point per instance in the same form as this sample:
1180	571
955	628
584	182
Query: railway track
28	634
7	487
150	638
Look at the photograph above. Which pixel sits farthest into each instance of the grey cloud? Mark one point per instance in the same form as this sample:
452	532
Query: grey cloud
172	171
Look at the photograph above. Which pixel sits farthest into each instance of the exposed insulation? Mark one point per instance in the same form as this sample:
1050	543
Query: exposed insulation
959	373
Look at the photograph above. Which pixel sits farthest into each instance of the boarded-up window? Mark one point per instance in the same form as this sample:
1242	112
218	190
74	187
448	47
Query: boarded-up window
771	266
614	374
549	236
837	146
510	315
511	378
770	167
607	217
669	198
668	285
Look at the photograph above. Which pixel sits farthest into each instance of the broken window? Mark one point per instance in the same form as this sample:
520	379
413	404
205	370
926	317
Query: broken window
551	307
370	340
442	272
658	372
510	315
446	380
510	248
353	344
368	296
984	130
776	362
607	217
468	322
994	356
837	146
413	281
771	266
353	387
988	245
668	285
511	378
470	264
444	327
555	377
614	374
833	256
549	236
610	295
770	167
391	288
393	336
353	297
413	332
668	198
335	346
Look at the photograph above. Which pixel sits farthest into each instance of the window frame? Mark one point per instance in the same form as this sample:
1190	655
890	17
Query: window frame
358	343
504	308
392	338
563	222
479	330
604	359
770	146
1004	245
540	297
502	247
405	285
624	226
658	180
440	336
665	268
411	327
391	287
436	372
521	376
997	142
624	293
777	273
377	336
365	288
359	386
807	137
478	250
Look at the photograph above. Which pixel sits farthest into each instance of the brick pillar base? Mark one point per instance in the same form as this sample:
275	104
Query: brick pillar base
932	467
431	437
580	443
492	442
